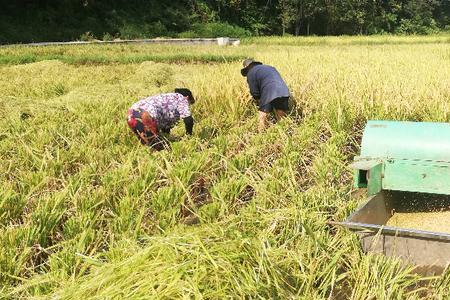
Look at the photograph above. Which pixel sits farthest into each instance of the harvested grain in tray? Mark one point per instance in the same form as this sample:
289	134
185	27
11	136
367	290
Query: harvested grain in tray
428	221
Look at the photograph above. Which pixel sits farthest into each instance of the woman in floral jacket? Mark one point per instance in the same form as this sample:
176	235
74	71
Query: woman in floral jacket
151	116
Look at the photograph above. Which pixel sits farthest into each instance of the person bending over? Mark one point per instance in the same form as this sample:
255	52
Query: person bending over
268	89
152	117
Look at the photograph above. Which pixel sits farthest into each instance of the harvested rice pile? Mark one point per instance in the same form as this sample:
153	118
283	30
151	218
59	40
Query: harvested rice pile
428	221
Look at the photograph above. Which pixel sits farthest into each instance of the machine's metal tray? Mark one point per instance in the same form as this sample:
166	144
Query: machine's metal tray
429	251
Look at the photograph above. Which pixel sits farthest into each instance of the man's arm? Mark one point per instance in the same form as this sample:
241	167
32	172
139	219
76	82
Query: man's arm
188	124
254	86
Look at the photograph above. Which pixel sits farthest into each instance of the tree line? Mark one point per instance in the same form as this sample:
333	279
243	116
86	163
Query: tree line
59	20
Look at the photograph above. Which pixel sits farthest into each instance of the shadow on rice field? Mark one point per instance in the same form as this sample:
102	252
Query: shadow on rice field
118	54
126	59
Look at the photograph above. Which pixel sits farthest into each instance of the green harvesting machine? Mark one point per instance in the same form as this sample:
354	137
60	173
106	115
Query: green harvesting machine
405	167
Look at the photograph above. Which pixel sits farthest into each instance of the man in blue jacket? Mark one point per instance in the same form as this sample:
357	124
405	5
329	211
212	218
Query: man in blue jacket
268	89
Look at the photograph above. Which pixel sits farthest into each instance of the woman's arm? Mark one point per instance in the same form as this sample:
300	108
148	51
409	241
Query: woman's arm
188	124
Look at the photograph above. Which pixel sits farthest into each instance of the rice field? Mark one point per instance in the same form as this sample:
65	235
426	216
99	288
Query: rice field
86	212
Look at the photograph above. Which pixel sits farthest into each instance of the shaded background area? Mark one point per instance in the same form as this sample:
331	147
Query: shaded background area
63	20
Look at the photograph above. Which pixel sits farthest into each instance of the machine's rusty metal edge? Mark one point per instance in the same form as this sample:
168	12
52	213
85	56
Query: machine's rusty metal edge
393	230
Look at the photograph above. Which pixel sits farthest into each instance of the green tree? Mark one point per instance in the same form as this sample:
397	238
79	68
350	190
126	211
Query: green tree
288	12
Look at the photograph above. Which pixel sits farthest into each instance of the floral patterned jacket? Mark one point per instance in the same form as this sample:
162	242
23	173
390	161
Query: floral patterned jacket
166	109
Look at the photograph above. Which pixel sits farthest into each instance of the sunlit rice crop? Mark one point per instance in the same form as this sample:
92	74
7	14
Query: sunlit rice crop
87	213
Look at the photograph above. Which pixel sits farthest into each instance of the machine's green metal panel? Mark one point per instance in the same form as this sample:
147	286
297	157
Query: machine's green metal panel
364	164
375	180
358	179
368	174
362	169
417	176
406	140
